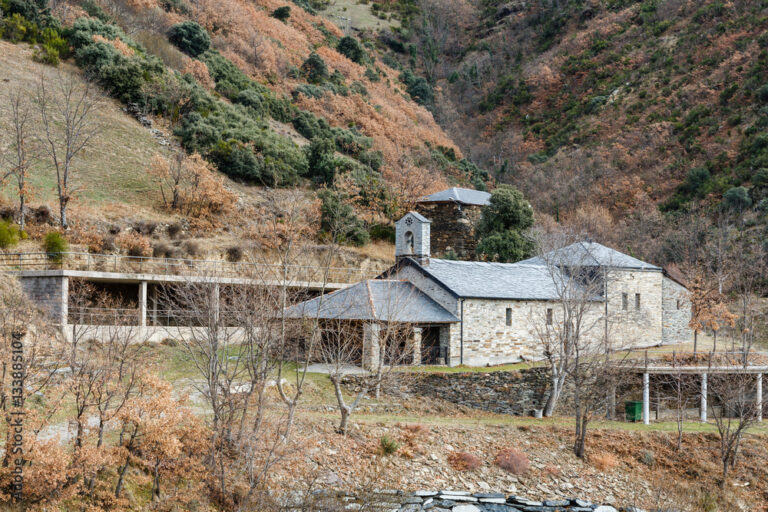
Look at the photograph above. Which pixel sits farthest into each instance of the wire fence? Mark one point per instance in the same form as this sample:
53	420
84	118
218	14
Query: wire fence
14	262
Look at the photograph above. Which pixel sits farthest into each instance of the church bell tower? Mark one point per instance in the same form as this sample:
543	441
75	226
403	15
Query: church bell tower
412	238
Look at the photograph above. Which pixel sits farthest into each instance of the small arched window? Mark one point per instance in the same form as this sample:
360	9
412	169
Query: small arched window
409	245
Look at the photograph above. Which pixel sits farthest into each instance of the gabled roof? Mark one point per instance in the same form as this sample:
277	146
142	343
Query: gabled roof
417	215
382	300
590	254
483	280
459	195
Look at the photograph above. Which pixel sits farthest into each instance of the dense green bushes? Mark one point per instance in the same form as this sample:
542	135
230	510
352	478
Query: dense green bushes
350	48
190	38
25	20
282	13
418	88
54	244
502	230
314	69
10	234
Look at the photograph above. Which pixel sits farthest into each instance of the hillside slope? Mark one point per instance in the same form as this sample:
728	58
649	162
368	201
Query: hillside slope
109	176
634	106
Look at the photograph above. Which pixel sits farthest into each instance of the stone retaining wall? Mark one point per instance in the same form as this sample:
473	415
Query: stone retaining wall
504	392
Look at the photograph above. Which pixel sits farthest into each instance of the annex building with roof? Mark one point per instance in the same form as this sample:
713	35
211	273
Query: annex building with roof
454	213
482	313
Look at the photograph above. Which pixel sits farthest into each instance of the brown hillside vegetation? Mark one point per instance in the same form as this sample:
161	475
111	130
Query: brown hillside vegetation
270	51
606	103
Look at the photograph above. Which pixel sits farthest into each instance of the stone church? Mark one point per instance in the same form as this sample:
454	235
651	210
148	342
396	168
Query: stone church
479	313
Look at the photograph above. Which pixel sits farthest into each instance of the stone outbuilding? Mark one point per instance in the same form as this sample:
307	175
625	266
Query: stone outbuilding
454	214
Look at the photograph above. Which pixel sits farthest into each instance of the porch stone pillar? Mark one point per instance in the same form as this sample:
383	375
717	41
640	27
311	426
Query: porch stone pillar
143	304
445	345
416	345
371	346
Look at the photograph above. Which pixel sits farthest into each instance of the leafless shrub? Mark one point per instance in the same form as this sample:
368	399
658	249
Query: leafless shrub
512	460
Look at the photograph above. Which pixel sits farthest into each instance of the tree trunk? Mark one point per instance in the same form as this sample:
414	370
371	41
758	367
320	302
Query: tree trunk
121	477
63	210
22	211
344	420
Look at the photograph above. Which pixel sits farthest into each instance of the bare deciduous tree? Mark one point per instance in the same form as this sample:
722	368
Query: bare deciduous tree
737	413
22	154
67	109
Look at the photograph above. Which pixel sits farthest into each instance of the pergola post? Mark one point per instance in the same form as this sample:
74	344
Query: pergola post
646	399
703	407
371	347
759	397
215	302
142	303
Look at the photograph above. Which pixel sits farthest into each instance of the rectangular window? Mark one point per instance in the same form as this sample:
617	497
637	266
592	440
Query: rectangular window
678	304
637	301
549	316
509	316
624	301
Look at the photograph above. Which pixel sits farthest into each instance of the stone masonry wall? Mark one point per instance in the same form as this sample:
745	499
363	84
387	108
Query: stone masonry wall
489	340
50	293
504	392
452	228
676	313
633	326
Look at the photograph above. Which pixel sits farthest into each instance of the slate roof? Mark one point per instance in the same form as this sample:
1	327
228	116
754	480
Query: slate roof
459	195
375	300
589	254
477	279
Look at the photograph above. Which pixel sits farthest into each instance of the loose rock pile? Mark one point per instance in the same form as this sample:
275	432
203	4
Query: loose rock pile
459	501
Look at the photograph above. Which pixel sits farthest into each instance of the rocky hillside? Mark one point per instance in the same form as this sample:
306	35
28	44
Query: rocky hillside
637	107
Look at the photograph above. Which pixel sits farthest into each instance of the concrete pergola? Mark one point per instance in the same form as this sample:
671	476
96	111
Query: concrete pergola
647	370
50	288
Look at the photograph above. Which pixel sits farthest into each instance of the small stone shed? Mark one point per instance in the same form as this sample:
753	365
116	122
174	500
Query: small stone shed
454	213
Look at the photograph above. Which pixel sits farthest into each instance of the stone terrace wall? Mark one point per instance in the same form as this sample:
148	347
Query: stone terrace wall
517	392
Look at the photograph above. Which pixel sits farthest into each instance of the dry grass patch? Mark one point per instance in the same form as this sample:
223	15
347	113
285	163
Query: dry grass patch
464	461
603	461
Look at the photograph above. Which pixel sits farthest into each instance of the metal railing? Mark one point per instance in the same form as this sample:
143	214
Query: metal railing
683	359
131	317
180	266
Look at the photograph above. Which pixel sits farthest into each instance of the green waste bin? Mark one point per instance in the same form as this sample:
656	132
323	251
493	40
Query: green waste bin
634	410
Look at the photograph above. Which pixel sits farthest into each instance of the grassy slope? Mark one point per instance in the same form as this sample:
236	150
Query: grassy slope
112	170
